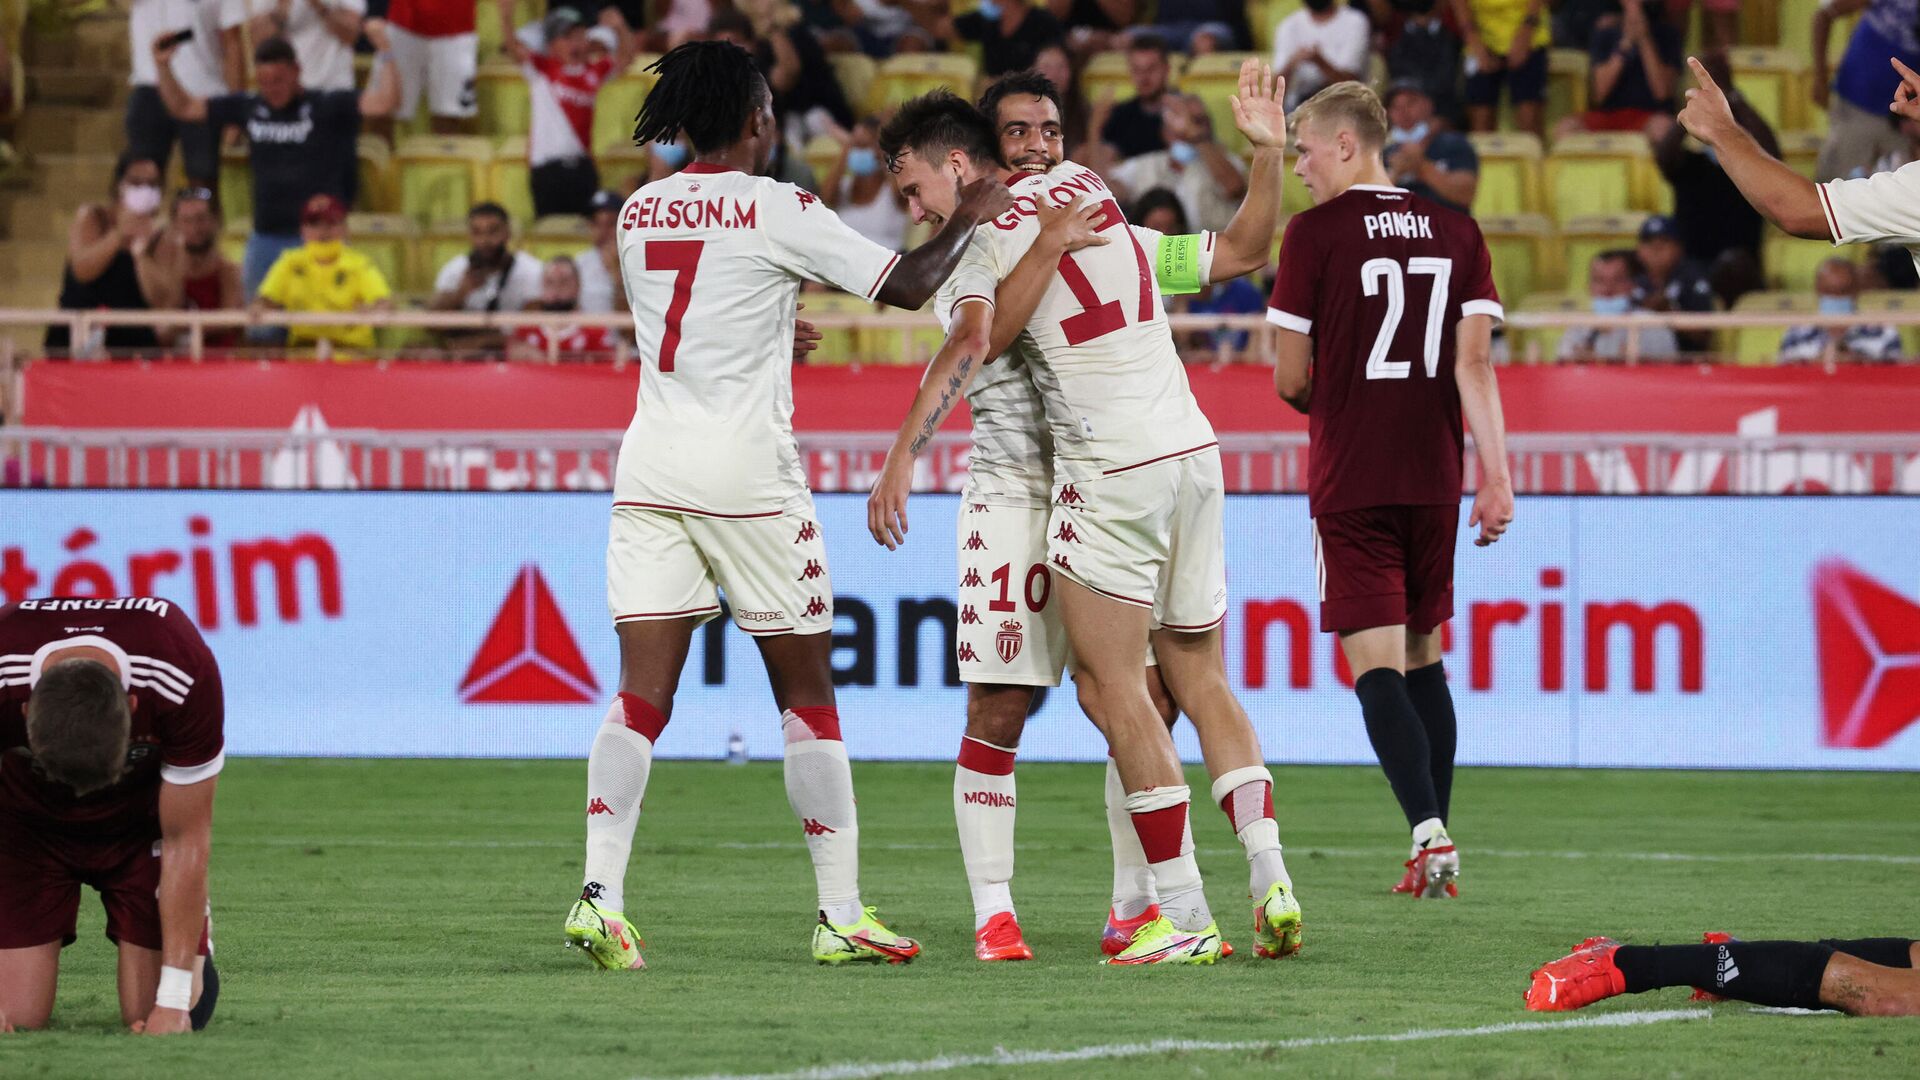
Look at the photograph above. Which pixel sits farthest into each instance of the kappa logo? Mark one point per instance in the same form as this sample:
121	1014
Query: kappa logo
1070	496
807	199
974	543
529	656
813	828
807	532
972	580
1066	533
1868	640
598	806
815	606
968	616
1060	561
1008	641
977	508
967	655
814	570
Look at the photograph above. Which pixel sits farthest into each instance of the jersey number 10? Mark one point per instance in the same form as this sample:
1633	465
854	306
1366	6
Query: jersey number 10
1376	273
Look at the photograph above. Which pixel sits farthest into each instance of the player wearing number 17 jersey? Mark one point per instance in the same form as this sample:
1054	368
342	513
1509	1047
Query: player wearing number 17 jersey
709	494
1386	307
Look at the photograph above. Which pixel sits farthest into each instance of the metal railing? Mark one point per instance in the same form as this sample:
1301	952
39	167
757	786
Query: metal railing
1611	464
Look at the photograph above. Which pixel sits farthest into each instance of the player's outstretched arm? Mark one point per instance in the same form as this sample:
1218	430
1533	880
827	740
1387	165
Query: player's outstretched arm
1293	370
1063	229
920	271
1782	196
1259	111
1480	401
186	840
948	375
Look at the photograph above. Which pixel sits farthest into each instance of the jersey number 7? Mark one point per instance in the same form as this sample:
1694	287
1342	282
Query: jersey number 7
1098	319
683	258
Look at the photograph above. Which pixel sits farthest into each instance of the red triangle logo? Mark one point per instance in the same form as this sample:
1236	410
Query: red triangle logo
1869	644
529	656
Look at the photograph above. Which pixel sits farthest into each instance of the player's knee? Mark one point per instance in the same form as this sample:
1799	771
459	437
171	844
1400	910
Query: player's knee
998	718
637	713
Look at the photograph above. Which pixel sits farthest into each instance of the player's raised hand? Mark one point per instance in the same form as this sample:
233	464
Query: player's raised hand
887	503
1492	512
986	198
1074	226
163	1021
1707	116
1906	96
1260	108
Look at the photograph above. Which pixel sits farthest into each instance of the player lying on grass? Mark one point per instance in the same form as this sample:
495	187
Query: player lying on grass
709	494
1134	535
1863	976
111	726
1869	210
1386	307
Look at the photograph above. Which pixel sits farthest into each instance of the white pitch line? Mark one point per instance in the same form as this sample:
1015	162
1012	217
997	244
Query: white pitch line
1003	1058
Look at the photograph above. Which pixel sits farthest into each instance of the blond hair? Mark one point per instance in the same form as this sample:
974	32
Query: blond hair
1346	106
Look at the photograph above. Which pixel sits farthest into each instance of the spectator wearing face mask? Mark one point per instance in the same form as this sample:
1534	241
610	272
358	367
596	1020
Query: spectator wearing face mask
1319	45
109	258
1424	158
666	158
858	190
1669	281
1838	283
324	274
559	293
197	275
601	288
1610	287
1208	180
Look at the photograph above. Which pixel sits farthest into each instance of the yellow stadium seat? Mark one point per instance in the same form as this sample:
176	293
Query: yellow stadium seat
486	23
1106	73
1800	150
838	345
507	182
1294	196
1759	22
1543	346
387	240
233	238
1584	237
1597	173
1771	79
379	193
505	105
1791	261
1760	345
436	248
1509	173
1900	301
822	154
908	75
623	168
855	73
557	234
236	185
619	104
1567	81
1214	78
441	176
1525	254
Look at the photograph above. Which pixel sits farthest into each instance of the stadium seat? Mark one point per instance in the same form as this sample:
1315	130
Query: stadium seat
1759	22
507	182
1771	80
837	346
1542	346
822	153
1214	78
387	240
623	167
441	176
1902	302
1791	261
1263	17
619	103
1525	250
557	234
379	193
486	24
236	184
854	72
1598	173
233	237
439	245
505	105
1584	237
1757	346
1567	81
1104	73
908	75
1801	150
1509	173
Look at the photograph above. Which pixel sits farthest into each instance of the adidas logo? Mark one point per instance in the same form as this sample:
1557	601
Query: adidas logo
1725	970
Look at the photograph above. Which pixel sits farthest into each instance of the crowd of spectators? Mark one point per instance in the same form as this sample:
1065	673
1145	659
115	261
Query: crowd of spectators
1447	69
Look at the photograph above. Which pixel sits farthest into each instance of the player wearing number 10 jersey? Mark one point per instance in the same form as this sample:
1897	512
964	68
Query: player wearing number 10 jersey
1386	306
709	494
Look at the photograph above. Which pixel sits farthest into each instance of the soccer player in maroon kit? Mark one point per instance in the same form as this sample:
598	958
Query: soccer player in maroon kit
110	744
1386	307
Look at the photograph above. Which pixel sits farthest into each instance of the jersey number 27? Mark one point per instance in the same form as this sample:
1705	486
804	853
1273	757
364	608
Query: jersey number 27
1376	274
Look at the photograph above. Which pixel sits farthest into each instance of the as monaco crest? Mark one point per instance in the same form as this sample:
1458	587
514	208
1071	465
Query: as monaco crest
1009	639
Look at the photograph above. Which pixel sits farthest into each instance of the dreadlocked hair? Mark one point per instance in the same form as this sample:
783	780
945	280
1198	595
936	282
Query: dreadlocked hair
935	123
707	89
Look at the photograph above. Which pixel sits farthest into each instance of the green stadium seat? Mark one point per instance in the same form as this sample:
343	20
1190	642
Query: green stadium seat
387	240
1597	173
1509	173
507	181
1791	261
505	104
1584	237
1543	346
1525	251
1759	346
441	176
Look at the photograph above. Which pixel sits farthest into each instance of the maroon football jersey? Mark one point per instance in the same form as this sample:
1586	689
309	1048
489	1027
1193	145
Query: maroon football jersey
177	732
1380	278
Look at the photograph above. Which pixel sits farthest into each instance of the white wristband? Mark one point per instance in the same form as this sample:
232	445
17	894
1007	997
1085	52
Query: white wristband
176	989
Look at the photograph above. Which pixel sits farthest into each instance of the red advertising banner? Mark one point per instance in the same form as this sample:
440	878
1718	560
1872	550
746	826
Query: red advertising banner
531	397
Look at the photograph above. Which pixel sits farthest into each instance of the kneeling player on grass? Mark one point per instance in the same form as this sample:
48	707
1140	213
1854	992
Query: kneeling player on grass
1861	976
1386	305
710	495
110	743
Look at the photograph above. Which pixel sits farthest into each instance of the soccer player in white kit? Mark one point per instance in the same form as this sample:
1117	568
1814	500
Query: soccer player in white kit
1870	210
1135	529
709	493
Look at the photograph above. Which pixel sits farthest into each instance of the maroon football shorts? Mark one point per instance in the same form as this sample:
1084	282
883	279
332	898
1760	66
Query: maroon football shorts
40	878
1386	566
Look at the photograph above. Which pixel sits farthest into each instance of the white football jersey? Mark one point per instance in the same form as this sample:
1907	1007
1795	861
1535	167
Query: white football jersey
1884	206
1011	460
1115	393
712	260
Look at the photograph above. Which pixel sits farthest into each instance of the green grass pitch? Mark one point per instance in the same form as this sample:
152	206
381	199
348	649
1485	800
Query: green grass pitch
402	919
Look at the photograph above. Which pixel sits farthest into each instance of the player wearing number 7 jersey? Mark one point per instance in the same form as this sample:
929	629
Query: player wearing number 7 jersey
709	494
1386	306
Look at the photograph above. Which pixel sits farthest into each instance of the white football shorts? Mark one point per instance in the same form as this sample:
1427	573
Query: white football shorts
1150	536
444	67
773	569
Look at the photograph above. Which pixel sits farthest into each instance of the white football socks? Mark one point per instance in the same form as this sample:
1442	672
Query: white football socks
983	805
1246	795
617	769
820	790
1132	880
1427	831
1176	877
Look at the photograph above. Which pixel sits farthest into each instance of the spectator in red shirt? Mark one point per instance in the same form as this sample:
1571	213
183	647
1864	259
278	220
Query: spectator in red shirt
195	274
559	292
565	76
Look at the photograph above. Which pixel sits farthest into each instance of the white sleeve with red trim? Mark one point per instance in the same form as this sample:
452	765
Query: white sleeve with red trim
806	238
1884	206
975	279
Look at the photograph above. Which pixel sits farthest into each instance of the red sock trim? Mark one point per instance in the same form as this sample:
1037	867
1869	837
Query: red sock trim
984	758
1161	832
1266	804
643	717
822	720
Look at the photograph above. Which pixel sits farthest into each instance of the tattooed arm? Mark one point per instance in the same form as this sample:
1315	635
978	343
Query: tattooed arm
944	384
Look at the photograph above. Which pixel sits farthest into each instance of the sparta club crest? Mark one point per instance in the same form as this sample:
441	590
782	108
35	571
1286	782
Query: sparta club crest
1008	639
